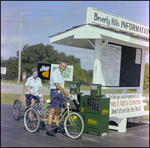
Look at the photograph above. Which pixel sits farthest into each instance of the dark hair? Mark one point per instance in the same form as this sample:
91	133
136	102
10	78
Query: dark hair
33	70
63	62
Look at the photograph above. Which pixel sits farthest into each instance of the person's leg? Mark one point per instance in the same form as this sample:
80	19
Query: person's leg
50	118
57	118
60	105
57	114
32	103
52	112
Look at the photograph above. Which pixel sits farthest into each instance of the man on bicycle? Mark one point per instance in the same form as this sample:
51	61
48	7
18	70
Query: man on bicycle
32	86
56	84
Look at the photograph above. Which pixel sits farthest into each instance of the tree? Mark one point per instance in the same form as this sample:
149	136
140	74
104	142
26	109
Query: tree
11	68
31	55
78	73
88	75
146	77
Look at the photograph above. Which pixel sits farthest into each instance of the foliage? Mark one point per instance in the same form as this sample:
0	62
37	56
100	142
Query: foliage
10	98
88	75
146	77
31	55
12	68
78	74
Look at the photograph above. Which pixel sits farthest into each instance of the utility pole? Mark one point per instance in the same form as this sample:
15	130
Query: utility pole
19	65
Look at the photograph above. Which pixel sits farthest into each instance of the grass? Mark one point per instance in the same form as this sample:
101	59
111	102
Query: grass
12	82
10	98
82	87
146	108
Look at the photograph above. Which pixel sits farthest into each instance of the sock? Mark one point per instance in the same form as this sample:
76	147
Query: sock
49	127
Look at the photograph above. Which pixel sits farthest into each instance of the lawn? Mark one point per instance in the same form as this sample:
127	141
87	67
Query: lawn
10	98
82	88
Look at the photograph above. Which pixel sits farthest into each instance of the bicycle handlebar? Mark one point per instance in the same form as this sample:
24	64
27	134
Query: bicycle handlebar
70	97
39	95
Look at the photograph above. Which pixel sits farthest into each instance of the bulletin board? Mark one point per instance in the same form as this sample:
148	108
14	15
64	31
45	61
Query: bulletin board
120	65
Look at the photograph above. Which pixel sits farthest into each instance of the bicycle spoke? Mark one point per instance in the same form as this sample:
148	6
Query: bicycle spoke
16	110
31	121
74	125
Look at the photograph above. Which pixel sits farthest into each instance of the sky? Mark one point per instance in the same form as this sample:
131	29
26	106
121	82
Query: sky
41	19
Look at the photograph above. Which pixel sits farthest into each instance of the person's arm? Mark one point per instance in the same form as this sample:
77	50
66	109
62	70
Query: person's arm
43	98
41	89
26	87
62	90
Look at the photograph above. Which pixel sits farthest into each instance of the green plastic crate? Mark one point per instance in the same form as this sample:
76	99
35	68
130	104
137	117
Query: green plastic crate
97	105
95	123
96	90
75	87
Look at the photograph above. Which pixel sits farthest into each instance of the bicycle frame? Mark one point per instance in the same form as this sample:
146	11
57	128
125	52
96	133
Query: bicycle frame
55	120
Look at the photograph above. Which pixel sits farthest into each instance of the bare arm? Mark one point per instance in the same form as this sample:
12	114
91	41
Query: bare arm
26	87
62	90
41	89
43	98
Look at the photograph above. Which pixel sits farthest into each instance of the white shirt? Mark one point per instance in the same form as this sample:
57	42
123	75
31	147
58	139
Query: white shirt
56	77
33	85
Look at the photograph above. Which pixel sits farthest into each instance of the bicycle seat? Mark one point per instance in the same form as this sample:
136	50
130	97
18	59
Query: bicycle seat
23	100
48	101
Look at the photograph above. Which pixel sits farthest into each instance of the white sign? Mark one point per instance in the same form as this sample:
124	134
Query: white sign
110	65
44	68
125	103
67	74
138	56
94	87
3	70
24	76
95	16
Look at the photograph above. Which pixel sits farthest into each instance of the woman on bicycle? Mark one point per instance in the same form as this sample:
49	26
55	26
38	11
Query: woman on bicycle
32	86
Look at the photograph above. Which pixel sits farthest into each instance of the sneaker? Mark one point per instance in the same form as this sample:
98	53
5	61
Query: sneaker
50	133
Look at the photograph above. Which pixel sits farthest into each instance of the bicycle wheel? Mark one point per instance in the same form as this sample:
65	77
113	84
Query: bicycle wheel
74	125
31	122
16	110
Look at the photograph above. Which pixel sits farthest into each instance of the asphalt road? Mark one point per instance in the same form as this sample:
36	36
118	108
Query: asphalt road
13	134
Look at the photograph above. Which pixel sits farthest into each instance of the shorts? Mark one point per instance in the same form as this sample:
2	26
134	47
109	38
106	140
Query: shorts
57	99
30	97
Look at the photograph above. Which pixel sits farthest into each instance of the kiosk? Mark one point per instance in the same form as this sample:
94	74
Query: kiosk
120	47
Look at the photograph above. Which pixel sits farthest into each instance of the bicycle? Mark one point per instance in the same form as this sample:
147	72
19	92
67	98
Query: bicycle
23	102
73	122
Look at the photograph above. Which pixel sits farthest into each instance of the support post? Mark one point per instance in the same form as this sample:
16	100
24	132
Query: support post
19	67
140	90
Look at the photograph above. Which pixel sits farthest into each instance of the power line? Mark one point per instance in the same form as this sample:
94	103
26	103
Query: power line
57	20
86	9
76	9
76	15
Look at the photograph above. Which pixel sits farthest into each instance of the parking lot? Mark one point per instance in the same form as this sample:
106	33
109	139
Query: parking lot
13	134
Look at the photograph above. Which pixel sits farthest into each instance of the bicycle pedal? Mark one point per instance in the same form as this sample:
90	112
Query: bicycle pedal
62	131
